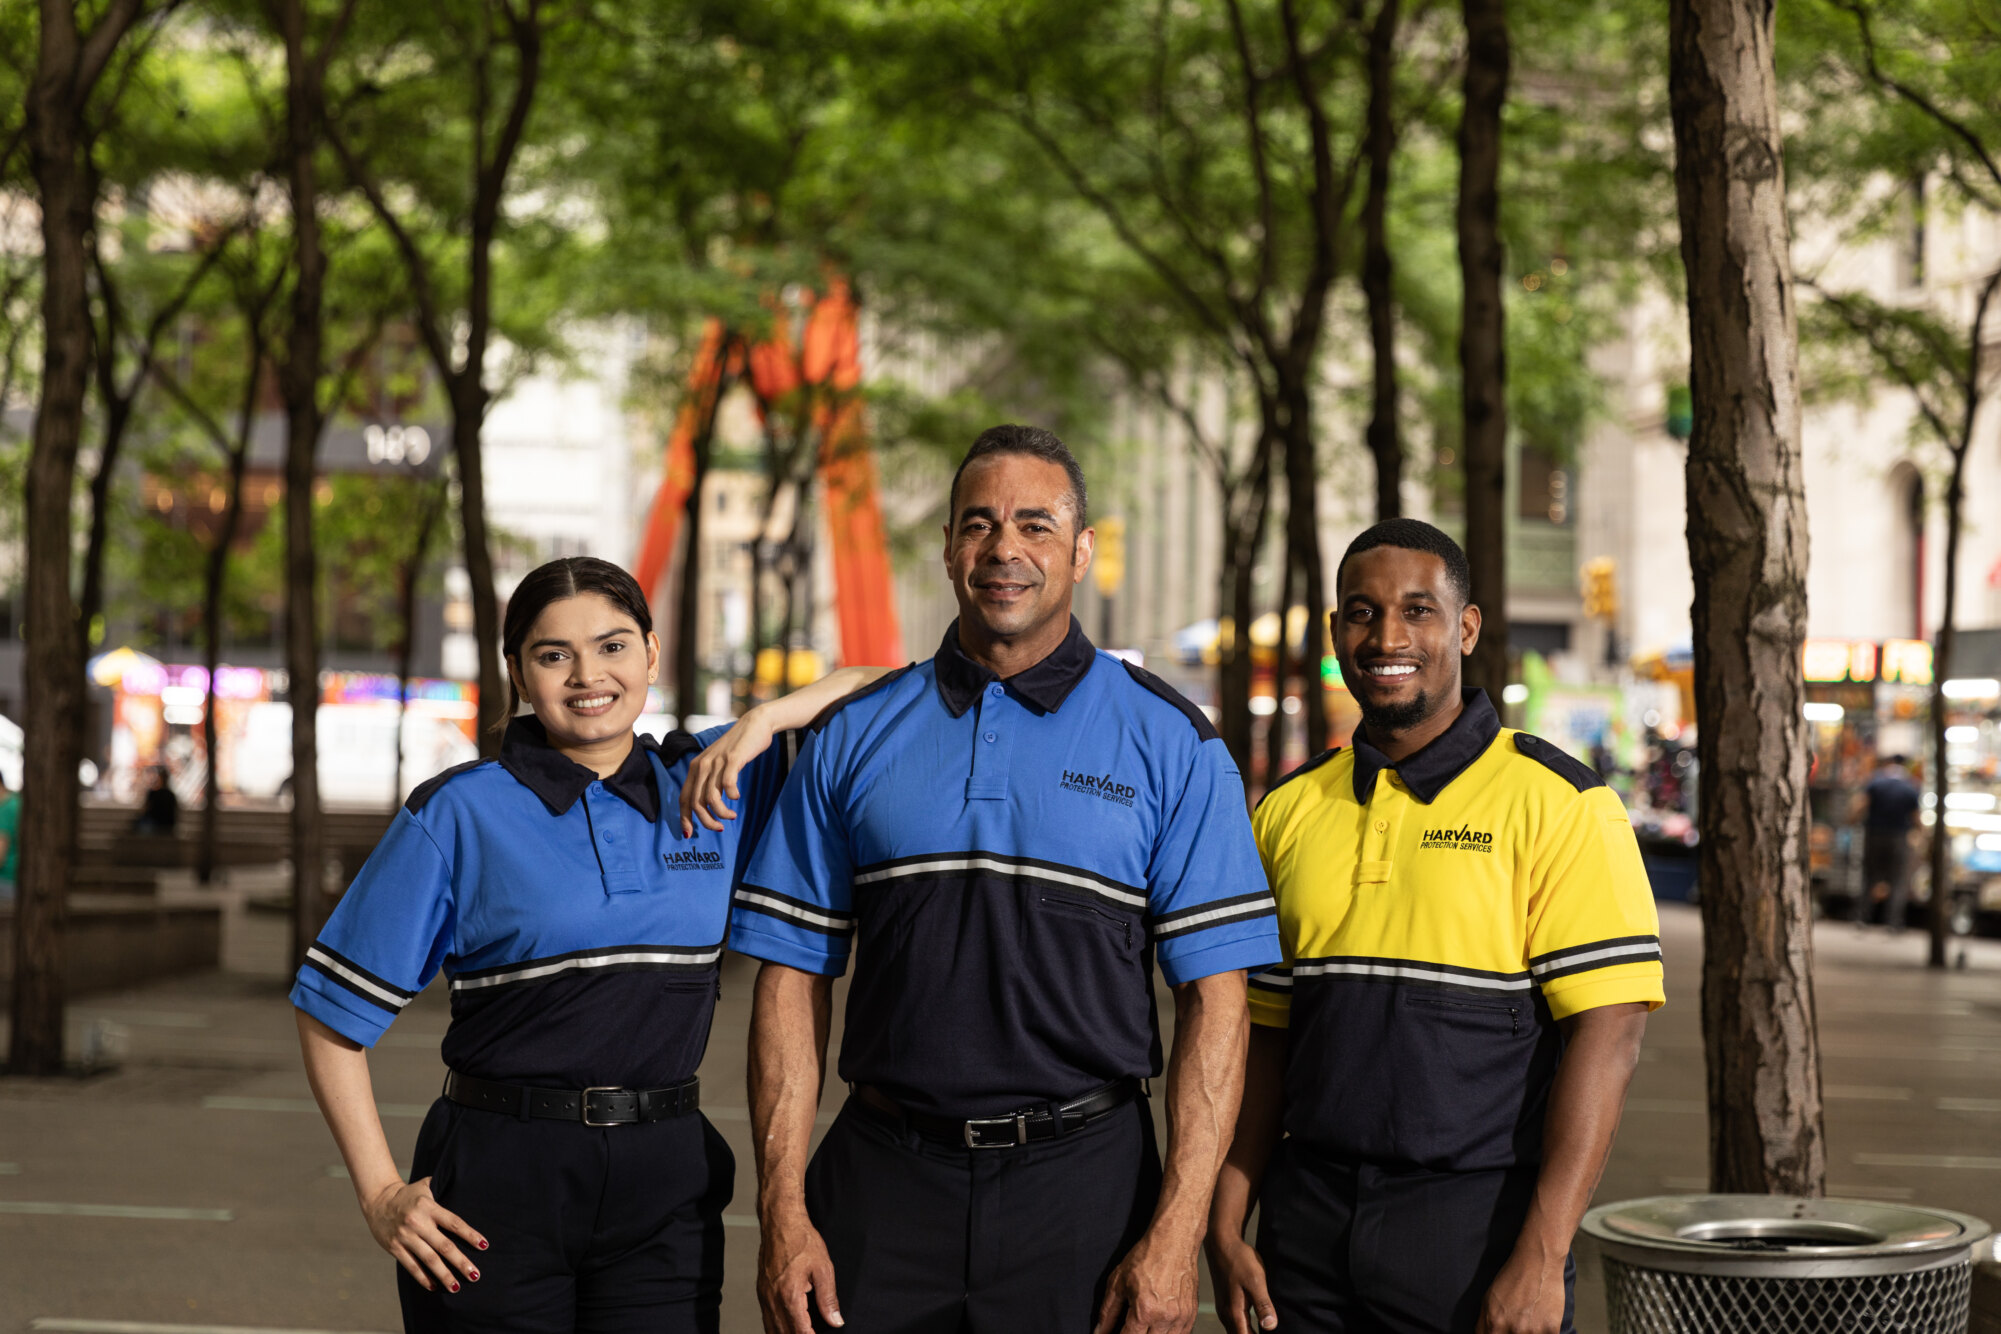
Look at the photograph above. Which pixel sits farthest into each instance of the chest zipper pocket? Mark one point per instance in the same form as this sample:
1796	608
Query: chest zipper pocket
1468	1005
1076	909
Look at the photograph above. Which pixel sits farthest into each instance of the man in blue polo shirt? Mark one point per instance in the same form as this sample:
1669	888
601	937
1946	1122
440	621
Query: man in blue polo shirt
1012	832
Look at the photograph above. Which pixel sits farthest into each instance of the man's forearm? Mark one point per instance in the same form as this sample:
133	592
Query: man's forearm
1205	1081
1602	1049
788	1046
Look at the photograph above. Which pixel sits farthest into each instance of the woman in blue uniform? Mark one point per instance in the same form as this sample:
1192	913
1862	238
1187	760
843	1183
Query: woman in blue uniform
565	1181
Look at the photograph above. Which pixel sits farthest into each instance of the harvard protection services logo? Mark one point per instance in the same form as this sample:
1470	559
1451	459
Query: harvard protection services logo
1102	786
1462	839
692	861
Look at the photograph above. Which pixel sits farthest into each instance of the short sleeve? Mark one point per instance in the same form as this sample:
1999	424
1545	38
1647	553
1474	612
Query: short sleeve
1209	907
386	938
1271	988
794	903
1594	937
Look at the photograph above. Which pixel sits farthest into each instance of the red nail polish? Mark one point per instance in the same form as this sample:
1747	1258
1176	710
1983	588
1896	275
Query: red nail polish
482	1245
473	1275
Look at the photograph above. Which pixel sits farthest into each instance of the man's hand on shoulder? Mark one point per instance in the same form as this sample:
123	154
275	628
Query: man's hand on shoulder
1154	1286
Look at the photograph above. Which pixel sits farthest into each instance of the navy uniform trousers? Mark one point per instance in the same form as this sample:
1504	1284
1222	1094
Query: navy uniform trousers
935	1238
590	1229
1356	1249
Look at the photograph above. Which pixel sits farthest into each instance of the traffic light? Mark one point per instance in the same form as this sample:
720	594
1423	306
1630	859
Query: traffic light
1108	564
1601	588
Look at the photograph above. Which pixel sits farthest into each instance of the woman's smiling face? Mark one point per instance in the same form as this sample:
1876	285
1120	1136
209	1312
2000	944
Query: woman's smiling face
584	667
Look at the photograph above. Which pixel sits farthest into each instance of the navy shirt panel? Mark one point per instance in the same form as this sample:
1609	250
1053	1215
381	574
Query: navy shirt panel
581	938
1007	866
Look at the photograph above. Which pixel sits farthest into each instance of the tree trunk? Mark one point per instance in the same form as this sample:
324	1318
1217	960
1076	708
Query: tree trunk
299	382
1747	546
54	661
1302	529
215	577
1378	271
1281	669
688	605
468	412
1244	523
1482	336
406	635
1940	848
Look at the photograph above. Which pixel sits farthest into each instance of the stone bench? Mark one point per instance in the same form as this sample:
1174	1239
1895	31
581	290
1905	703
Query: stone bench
114	941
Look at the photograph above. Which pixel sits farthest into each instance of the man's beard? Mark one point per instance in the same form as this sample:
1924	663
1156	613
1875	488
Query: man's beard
1389	719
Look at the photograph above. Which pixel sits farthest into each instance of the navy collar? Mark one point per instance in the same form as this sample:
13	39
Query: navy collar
559	780
1043	686
1427	772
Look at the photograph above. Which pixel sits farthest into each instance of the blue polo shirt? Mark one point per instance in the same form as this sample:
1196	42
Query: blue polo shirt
1011	856
581	933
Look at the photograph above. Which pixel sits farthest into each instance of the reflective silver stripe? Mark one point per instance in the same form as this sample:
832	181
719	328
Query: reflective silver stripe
1272	979
793	910
1416	972
594	961
333	965
1176	925
1633	953
1006	867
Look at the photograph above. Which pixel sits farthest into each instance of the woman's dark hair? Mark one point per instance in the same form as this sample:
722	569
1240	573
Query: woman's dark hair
569	577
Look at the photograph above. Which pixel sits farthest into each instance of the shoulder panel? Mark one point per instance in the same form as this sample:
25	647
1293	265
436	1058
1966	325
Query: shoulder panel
427	789
1573	771
1307	767
1203	728
827	714
672	748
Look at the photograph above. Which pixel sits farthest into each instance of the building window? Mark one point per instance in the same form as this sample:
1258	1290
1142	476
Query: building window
1545	487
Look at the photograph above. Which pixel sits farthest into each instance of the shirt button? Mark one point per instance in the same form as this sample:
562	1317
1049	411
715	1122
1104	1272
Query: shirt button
990	737
609	839
1381	825
997	691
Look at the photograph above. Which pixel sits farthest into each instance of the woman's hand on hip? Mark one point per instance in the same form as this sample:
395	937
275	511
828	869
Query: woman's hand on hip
409	1223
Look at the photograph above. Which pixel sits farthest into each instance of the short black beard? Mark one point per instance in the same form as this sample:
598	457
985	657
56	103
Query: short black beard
1386	720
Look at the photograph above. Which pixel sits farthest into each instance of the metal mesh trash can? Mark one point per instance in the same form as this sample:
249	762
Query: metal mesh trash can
1776	1264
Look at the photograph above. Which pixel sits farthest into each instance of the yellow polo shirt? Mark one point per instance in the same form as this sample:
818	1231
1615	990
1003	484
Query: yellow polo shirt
1438	918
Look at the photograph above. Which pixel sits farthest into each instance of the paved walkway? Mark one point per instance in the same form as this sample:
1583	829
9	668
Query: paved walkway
196	1185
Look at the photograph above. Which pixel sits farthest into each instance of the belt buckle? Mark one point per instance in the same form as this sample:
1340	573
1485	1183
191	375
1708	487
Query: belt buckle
1019	1121
585	1108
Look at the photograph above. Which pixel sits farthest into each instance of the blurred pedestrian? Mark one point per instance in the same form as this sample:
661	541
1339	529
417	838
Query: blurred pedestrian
1888	804
10	842
581	925
1471	951
160	808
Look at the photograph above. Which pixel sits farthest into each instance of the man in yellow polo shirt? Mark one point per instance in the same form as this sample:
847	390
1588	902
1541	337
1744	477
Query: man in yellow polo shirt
1471	952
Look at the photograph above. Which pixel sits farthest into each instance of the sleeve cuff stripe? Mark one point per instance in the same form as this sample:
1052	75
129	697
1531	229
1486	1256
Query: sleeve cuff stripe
1217	917
812	919
1601	956
1572	970
1569	953
356	971
1261	898
359	988
1273	981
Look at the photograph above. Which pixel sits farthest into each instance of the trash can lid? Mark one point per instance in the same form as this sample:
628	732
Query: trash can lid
1781	1235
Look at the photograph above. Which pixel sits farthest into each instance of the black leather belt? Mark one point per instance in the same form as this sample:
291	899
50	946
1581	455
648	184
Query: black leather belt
1030	1124
592	1106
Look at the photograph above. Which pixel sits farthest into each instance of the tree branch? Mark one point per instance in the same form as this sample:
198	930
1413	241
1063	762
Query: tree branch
430	322
1945	119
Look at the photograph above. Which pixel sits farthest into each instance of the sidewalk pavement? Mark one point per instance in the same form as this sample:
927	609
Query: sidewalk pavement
195	1185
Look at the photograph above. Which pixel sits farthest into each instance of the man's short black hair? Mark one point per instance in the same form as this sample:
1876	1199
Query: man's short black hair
1032	441
1900	760
1413	535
